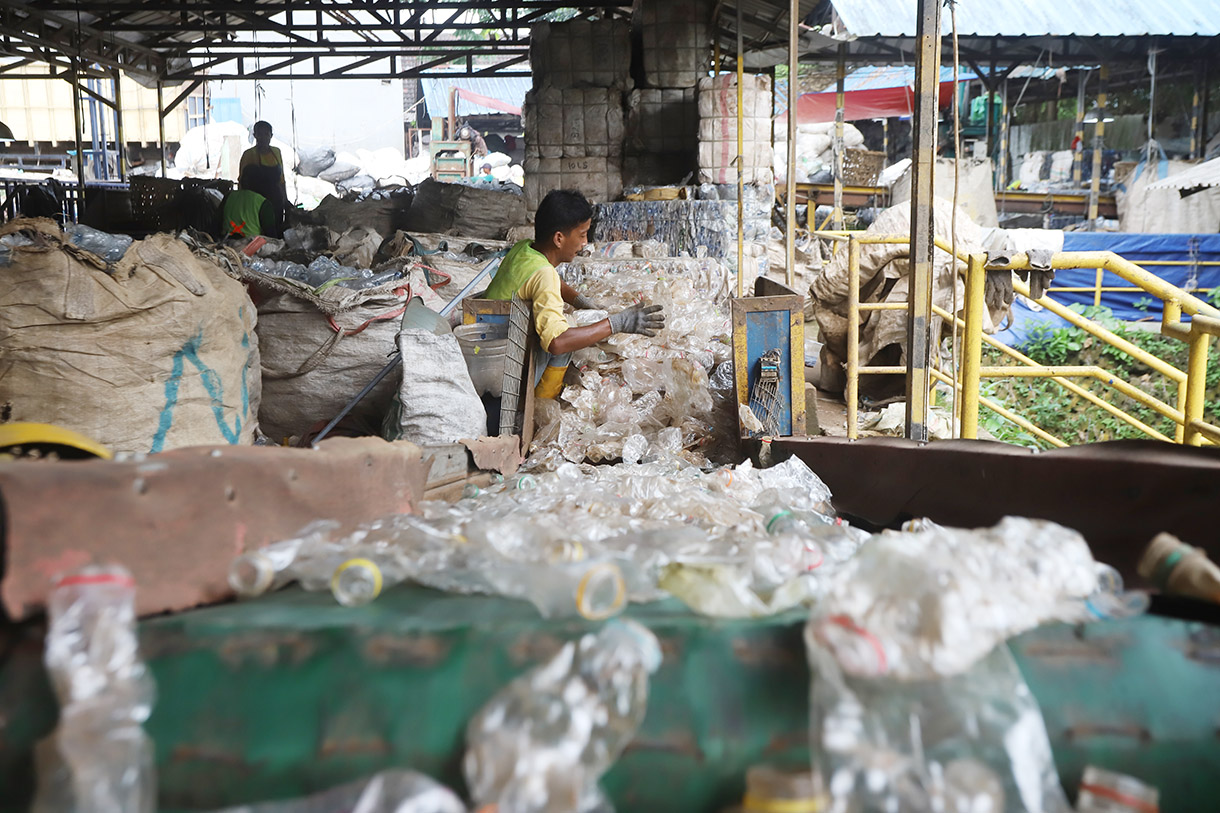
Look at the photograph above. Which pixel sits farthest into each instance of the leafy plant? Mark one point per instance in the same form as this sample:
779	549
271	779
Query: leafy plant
1074	418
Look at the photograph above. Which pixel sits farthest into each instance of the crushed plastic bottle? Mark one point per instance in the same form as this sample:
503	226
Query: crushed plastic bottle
110	247
1104	791
361	578
974	741
543	742
98	760
270	567
392	791
930	603
1108	601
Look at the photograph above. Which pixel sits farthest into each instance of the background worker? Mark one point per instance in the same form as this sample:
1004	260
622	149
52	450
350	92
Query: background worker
561	229
267	177
246	212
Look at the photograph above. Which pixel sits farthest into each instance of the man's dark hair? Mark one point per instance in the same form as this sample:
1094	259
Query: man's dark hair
560	211
248	177
258	124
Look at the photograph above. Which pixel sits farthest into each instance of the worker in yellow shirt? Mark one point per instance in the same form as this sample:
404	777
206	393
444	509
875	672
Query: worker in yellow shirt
266	166
561	230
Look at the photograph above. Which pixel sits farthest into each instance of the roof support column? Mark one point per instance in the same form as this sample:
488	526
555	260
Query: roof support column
1078	140
840	80
919	322
1098	144
1198	125
77	119
794	91
119	143
161	125
741	188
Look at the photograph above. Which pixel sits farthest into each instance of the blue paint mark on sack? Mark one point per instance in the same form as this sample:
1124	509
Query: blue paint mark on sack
212	385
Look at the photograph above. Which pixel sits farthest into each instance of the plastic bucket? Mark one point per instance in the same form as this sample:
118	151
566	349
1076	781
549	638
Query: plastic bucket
483	346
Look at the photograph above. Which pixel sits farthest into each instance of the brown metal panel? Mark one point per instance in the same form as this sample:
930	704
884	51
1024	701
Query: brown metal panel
1119	495
177	519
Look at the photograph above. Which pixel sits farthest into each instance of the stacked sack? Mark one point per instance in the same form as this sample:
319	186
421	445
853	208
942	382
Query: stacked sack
663	117
718	129
574	114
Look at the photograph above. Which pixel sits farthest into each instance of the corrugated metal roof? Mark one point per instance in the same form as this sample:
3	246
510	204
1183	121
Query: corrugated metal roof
1037	18
1203	176
508	89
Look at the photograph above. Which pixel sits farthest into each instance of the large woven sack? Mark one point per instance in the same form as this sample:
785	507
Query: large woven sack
314	362
437	400
157	354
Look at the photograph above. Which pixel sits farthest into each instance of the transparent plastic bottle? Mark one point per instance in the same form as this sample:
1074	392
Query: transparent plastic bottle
270	567
541	744
99	759
526	482
393	790
1109	600
364	576
110	247
591	588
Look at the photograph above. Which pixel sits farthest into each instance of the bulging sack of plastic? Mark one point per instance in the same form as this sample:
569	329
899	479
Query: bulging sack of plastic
98	760
392	791
975	741
543	742
931	603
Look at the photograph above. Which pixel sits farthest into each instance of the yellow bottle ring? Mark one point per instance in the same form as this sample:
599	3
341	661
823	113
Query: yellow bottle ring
372	566
759	804
620	591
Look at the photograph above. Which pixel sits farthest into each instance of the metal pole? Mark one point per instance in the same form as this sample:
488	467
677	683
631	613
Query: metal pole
1196	375
1195	145
97	135
1078	141
120	144
1003	157
840	77
972	352
77	116
1098	142
161	127
919	323
741	180
793	94
851	394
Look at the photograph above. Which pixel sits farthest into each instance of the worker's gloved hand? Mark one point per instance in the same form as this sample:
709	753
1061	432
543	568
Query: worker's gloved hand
644	319
583	303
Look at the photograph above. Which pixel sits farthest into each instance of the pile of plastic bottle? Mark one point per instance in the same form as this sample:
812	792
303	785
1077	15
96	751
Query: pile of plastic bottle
324	271
640	397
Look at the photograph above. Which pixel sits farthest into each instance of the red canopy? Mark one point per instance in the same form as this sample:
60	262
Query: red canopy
871	103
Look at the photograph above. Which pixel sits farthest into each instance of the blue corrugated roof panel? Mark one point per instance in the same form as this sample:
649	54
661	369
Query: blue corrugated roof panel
508	89
1036	18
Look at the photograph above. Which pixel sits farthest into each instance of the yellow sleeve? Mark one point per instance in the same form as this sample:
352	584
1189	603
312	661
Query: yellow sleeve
542	289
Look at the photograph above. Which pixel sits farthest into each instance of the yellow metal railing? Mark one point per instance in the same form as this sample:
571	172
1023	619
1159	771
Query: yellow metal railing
1187	413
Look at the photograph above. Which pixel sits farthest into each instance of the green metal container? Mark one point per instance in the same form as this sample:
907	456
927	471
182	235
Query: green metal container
292	693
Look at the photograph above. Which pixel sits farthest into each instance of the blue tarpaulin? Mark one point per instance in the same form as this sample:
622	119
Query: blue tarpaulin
1129	306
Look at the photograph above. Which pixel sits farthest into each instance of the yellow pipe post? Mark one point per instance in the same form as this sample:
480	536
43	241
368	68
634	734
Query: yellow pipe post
1097	278
852	392
741	178
972	352
1196	383
794	83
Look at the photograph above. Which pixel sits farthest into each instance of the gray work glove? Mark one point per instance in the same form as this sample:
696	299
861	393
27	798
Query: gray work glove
646	320
583	303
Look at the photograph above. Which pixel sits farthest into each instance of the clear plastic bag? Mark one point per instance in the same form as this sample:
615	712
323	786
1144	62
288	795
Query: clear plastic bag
393	791
98	760
972	742
543	742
